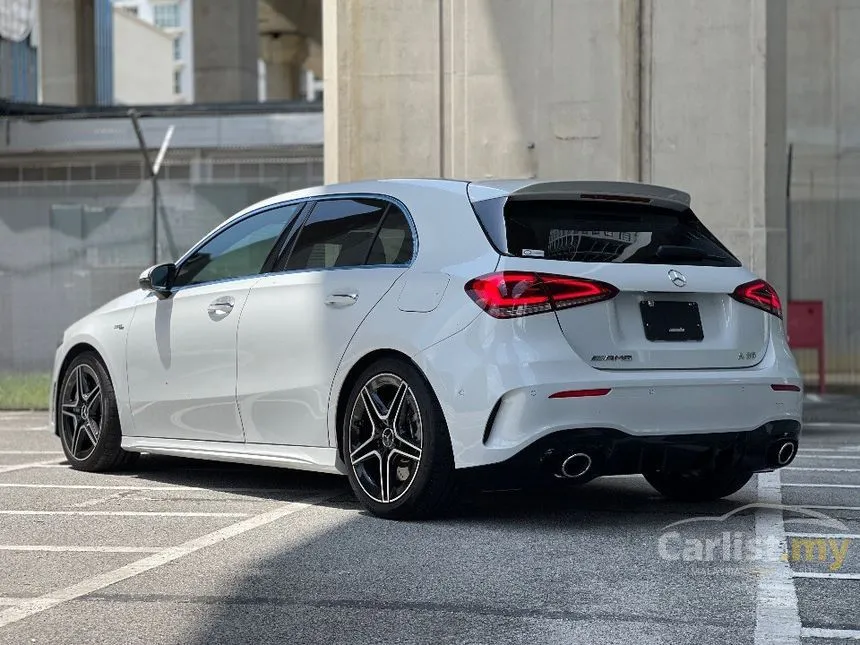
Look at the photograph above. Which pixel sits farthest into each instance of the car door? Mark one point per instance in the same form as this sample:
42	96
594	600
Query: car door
298	322
181	352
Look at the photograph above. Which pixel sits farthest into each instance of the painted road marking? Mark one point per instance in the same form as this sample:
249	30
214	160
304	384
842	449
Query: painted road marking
829	576
34	464
31	452
825	470
47	548
777	619
826	536
795	485
128	513
817	632
121	487
31	607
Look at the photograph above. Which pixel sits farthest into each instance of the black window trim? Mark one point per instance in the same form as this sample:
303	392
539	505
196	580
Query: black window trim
279	266
270	259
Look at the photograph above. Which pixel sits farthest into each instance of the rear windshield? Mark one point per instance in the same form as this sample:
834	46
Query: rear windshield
583	231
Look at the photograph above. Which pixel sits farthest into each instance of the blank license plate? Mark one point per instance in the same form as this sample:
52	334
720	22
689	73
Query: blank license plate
671	320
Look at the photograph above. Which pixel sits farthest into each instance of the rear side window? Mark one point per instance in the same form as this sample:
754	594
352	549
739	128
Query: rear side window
393	244
338	233
585	231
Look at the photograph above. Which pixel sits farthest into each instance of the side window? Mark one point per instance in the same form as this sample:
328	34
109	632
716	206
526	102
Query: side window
338	233
240	250
393	245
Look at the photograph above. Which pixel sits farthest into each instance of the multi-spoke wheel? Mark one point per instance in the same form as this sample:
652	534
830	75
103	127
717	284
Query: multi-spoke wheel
81	411
87	417
395	443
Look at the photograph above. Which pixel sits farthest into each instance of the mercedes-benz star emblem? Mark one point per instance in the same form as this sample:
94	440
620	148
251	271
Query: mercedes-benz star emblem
678	278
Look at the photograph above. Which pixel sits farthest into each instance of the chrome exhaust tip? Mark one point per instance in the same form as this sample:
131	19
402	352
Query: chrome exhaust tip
576	465
785	453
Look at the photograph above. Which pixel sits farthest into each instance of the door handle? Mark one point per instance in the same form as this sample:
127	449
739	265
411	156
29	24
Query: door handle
341	299
221	306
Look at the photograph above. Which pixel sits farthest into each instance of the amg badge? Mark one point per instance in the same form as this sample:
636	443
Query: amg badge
600	358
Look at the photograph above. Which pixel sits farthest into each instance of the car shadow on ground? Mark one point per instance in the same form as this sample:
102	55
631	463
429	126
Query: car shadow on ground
607	495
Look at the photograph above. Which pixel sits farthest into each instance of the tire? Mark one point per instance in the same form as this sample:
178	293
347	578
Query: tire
412	447
699	486
87	419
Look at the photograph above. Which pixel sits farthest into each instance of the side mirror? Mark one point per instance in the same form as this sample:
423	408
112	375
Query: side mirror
158	279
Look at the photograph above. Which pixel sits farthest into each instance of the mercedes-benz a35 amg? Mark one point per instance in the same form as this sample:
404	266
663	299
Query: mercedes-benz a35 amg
416	334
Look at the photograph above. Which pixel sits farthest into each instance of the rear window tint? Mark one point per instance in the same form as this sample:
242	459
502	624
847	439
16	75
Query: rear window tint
581	231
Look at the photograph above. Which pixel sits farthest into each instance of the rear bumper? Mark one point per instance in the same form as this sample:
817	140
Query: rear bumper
683	406
612	452
495	378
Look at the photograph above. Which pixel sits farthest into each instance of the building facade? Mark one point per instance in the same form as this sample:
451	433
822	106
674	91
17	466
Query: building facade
143	61
173	17
19	62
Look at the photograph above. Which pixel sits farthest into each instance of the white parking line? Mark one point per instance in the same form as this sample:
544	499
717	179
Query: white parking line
78	549
818	632
827	536
857	457
34	606
817	507
831	424
31	452
31	429
777	619
33	464
796	485
825	470
827	576
128	513
120	487
837	449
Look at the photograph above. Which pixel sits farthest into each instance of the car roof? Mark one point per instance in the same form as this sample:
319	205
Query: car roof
488	189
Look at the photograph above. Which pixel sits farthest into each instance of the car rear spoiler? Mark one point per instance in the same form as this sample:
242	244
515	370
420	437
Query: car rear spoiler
583	190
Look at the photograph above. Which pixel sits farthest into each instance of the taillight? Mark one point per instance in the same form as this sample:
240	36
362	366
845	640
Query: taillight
512	294
761	295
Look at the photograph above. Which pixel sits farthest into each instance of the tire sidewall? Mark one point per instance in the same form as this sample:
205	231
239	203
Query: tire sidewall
109	432
435	446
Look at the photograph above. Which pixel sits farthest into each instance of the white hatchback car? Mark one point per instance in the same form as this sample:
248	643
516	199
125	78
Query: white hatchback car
414	334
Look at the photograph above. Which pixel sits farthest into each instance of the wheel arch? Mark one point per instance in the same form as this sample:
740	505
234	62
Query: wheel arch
352	377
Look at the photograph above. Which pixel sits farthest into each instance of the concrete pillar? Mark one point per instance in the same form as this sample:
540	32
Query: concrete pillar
284	55
226	46
480	88
67	51
715	101
691	96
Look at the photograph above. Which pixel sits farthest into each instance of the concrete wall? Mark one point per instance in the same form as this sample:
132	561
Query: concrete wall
824	128
552	89
717	119
143	68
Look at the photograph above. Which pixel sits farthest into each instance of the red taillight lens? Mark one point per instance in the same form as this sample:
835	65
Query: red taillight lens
761	295
512	294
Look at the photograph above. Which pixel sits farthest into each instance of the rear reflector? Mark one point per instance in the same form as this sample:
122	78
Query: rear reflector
784	387
513	294
576	394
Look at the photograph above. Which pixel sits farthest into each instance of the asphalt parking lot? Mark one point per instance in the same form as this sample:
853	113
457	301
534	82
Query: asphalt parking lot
179	551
